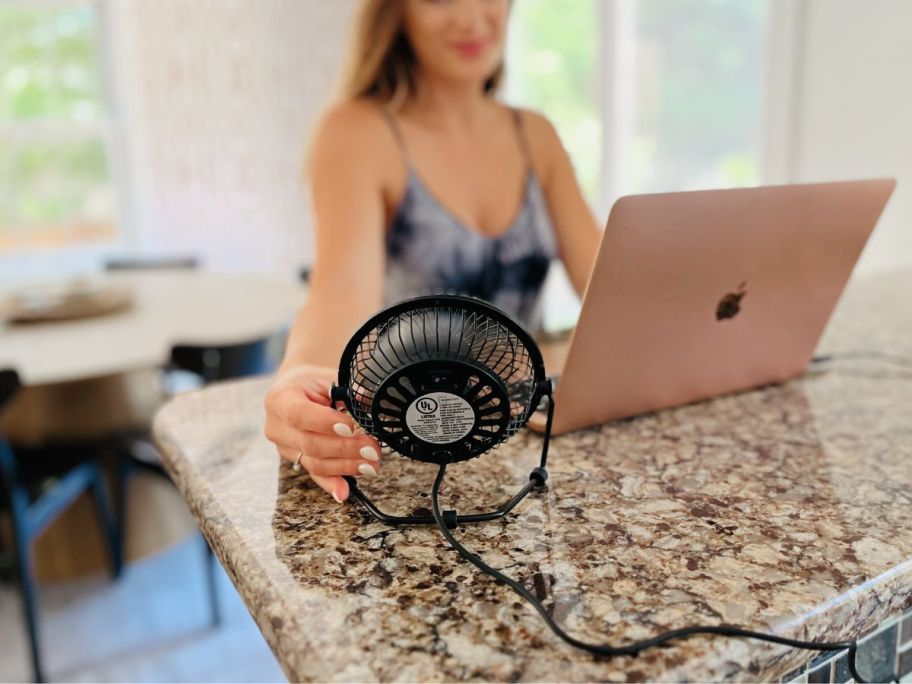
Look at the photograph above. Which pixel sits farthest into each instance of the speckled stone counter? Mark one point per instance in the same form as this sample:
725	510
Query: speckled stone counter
786	509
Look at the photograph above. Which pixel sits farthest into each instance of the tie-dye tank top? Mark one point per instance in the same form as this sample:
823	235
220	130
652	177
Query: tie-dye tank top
430	251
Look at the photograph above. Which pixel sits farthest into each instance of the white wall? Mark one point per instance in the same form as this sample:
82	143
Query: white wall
220	96
853	109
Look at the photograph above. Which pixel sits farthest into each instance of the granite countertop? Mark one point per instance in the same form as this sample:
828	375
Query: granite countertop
784	509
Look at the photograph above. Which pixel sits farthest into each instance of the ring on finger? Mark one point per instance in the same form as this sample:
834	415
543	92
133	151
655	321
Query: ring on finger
297	464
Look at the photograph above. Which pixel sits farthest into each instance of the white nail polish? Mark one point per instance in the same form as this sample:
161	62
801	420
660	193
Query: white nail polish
369	453
367	469
336	497
342	429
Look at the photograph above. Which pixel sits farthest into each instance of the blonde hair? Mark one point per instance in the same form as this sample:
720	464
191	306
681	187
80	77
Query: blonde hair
380	62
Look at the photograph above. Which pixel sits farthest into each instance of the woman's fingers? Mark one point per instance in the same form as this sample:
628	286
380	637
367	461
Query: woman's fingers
330	466
296	409
335	485
312	381
327	467
358	446
308	429
328	479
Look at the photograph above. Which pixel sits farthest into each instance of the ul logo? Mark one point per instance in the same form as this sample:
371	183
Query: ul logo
427	405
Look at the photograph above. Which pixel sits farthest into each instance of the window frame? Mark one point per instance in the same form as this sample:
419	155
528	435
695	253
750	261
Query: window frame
72	254
780	85
615	99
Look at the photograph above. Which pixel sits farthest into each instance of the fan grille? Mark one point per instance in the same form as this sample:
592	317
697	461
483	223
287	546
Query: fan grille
493	360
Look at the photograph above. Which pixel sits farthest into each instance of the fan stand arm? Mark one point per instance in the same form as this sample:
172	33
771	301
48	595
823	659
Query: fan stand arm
537	479
452	517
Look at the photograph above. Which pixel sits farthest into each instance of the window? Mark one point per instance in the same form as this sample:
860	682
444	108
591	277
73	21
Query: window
552	67
56	184
552	54
647	96
696	109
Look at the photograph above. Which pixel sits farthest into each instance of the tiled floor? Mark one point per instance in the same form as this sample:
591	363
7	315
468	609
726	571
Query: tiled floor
151	625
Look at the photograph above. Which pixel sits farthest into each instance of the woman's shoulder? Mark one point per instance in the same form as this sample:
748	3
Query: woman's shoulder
356	124
533	119
354	129
541	134
351	116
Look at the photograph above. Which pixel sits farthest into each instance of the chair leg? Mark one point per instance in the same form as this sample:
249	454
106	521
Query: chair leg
106	520
7	567
123	469
211	581
27	586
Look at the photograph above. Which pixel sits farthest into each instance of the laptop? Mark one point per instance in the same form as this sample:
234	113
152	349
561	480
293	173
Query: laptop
703	293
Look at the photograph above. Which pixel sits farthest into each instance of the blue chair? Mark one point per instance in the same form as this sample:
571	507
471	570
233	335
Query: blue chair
37	485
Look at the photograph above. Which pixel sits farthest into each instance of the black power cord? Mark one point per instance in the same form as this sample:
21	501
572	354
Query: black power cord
872	354
634	648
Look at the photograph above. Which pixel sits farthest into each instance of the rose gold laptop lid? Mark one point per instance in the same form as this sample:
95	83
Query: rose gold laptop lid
697	294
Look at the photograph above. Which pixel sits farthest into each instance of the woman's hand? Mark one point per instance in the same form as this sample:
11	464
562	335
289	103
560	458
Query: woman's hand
306	429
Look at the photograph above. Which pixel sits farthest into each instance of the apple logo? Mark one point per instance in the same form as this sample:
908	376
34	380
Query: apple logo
730	304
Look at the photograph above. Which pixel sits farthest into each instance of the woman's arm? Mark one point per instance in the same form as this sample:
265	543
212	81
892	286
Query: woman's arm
346	185
346	287
578	234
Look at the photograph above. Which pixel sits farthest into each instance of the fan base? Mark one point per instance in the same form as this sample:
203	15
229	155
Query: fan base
537	480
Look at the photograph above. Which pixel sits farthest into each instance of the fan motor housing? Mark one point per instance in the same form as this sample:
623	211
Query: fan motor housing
441	378
441	411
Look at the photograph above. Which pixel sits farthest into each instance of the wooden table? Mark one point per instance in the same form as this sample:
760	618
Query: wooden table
92	375
171	307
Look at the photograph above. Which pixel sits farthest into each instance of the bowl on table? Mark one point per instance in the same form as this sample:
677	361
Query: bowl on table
68	300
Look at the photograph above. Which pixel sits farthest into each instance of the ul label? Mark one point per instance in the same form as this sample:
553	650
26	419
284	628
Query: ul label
440	417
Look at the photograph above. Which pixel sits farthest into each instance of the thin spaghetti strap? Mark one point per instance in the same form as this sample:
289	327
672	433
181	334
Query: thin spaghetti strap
391	120
523	143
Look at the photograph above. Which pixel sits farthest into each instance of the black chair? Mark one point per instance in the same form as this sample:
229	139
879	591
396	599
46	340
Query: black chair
37	485
128	263
224	362
206	364
190	367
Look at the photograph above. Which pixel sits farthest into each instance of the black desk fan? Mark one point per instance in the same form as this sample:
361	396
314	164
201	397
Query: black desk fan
446	378
443	379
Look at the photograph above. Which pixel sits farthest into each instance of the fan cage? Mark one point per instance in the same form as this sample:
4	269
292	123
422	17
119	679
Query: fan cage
436	331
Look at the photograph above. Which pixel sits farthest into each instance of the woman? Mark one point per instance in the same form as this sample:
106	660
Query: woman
416	175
